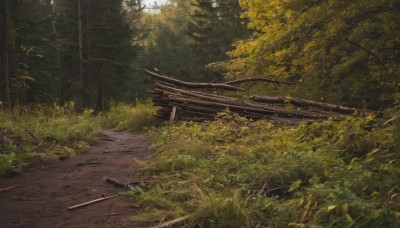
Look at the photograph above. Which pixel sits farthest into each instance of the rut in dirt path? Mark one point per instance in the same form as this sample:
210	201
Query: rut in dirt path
44	193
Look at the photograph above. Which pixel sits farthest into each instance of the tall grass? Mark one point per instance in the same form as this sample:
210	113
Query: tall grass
123	117
236	173
44	134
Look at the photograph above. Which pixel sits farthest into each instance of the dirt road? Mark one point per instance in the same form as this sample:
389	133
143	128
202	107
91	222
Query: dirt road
44	193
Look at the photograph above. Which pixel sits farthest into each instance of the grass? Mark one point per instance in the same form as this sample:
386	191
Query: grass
44	134
233	172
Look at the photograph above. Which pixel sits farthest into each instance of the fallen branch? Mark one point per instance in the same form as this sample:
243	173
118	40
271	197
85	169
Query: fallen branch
239	81
8	188
91	202
192	84
306	103
174	222
119	183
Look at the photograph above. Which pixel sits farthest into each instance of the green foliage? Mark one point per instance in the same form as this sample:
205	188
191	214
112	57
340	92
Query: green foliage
43	134
236	173
346	52
132	118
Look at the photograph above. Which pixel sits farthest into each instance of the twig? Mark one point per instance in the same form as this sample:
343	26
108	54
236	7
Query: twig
34	137
8	188
271	190
116	151
107	139
260	192
95	163
174	222
91	202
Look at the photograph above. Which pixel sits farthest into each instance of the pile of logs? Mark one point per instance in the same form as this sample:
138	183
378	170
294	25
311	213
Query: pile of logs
180	99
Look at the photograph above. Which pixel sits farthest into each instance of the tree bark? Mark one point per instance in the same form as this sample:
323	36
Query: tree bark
81	94
4	26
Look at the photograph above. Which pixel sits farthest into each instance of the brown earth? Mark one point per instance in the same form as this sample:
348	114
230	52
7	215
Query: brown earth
44	193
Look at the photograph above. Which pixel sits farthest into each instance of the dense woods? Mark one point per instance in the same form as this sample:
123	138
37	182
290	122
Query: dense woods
92	52
290	109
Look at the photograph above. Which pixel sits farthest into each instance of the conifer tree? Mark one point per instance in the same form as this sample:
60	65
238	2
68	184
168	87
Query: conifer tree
4	72
213	28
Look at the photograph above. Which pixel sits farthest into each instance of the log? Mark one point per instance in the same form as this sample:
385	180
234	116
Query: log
204	105
238	104
192	84
306	103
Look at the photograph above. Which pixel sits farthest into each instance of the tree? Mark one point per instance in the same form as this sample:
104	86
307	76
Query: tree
4	77
214	26
344	51
96	51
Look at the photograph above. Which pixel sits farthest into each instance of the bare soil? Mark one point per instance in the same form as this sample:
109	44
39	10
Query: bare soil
44	193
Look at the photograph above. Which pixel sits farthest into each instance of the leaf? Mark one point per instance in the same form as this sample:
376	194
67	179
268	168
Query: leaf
330	208
294	186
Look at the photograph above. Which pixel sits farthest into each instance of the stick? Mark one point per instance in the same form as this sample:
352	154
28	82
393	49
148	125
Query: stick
91	202
173	222
33	136
116	151
260	192
258	79
8	188
95	163
173	113
119	183
107	139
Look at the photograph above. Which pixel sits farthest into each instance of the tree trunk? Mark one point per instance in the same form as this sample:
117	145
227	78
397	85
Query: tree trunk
81	94
5	83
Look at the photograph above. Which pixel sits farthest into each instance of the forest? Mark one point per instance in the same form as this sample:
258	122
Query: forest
229	113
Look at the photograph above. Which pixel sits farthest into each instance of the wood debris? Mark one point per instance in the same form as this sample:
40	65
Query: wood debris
178	100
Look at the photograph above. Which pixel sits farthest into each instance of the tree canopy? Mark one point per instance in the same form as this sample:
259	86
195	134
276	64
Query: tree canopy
345	51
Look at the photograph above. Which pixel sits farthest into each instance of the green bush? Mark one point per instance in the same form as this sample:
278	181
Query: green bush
42	134
233	172
132	118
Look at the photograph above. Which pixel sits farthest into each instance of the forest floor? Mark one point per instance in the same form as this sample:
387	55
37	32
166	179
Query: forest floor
44	193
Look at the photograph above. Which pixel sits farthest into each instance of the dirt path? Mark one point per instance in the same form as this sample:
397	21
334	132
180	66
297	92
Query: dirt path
43	194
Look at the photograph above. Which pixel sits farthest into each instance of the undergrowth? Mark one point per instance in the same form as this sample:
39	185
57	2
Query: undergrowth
43	134
233	172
